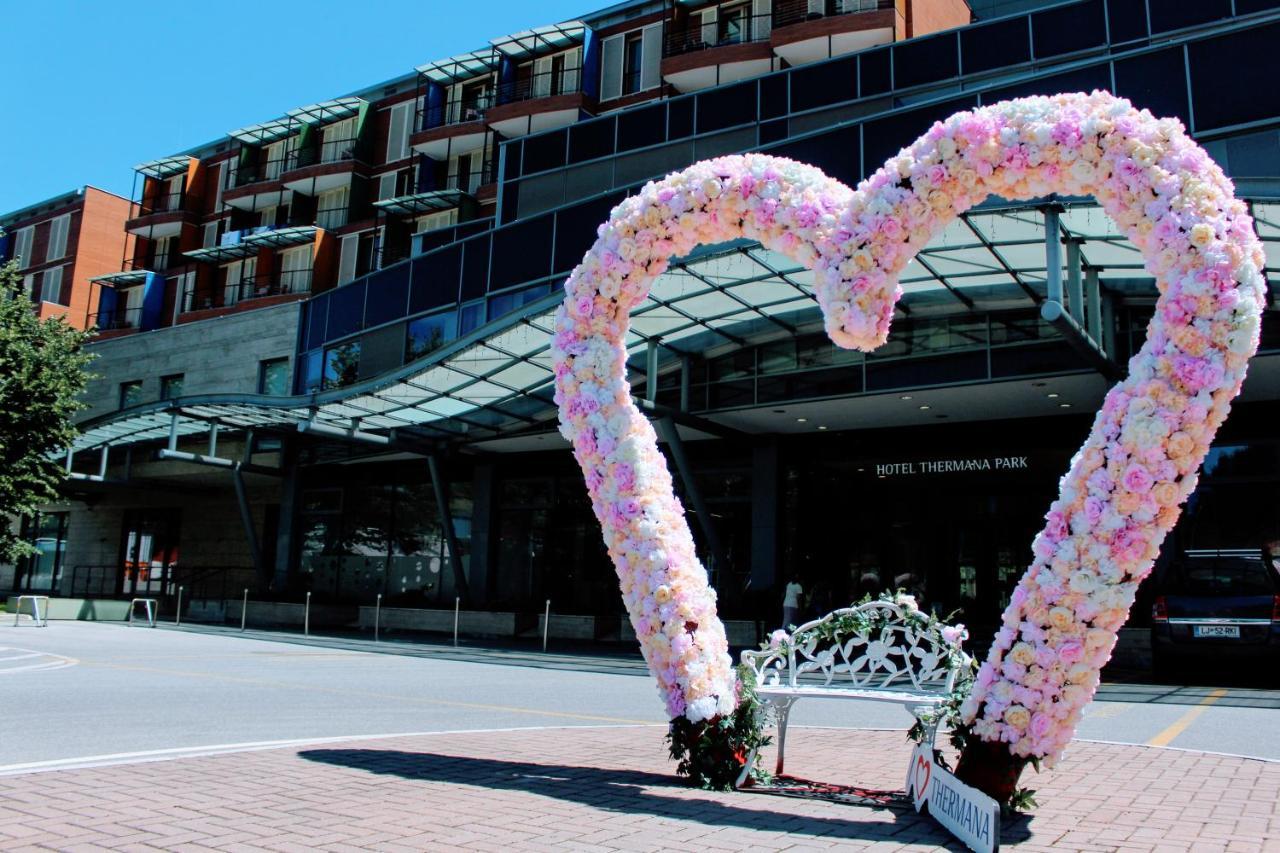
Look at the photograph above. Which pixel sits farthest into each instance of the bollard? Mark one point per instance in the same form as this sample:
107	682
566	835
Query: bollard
244	608
457	602
306	617
177	617
377	617
546	624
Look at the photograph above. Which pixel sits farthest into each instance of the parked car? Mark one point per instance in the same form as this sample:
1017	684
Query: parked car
1219	604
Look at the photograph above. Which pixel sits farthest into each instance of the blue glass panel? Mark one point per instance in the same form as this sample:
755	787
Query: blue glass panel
887	136
823	83
346	310
1156	81
470	317
341	365
995	45
544	151
925	60
1127	20
726	107
835	153
642	127
317	317
1081	80
773	95
1249	60
521	252
430	333
576	229
475	267
874	76
1175	16
1068	28
435	279
680	118
388	295
591	140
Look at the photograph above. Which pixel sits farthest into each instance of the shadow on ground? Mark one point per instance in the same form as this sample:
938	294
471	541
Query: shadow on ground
638	792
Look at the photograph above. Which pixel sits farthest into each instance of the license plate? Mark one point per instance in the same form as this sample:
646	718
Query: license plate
1229	631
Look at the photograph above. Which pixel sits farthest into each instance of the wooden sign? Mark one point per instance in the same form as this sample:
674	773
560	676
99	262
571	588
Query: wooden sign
965	812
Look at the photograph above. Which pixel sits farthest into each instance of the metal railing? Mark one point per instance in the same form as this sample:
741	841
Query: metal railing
327	151
455	111
268	284
548	84
787	12
471	181
197	582
725	30
119	318
267	170
332	217
159	204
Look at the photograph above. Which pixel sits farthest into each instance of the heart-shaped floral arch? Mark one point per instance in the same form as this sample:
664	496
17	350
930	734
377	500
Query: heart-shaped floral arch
1125	486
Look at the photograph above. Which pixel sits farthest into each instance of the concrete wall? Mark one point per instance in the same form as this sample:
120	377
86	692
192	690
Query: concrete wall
470	623
215	356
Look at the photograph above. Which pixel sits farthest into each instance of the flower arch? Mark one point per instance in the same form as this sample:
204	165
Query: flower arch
1123	491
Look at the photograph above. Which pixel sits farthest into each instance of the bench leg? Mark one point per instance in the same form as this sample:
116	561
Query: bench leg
928	717
784	711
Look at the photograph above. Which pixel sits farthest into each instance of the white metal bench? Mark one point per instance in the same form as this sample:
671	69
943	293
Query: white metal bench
884	650
41	621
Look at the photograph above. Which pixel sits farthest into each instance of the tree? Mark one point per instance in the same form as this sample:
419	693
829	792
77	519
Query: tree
43	372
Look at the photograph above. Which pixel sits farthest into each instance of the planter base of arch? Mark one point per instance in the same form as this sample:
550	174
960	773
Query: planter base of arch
991	768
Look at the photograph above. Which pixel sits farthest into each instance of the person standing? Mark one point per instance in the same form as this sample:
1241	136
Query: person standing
791	601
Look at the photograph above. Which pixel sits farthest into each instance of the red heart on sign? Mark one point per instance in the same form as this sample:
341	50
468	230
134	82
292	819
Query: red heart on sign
922	788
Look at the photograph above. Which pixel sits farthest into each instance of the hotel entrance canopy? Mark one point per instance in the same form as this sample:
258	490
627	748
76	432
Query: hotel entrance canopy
497	380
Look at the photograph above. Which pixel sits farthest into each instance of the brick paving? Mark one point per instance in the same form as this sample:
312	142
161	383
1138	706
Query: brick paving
612	789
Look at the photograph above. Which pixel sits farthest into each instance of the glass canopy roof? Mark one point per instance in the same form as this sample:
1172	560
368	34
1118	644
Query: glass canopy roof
464	66
275	238
419	203
327	111
541	40
497	380
165	167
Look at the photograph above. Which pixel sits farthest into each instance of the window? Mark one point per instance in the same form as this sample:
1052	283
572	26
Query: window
47	532
22	247
440	219
331	208
29	285
342	365
210	235
630	62
239	280
339	141
398	132
171	386
734	24
173	193
269	216
429	333
295	269
273	377
51	287
130	393
160	253
58	237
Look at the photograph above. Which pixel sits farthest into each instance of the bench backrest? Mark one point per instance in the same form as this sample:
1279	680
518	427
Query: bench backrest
884	645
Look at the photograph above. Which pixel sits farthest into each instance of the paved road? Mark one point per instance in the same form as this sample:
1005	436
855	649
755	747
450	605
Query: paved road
75	691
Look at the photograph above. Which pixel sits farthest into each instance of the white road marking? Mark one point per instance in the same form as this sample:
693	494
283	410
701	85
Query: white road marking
175	753
50	662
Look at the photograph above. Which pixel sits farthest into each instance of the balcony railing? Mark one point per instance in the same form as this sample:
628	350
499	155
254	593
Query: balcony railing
471	181
548	84
328	151
787	12
119	318
268	170
265	285
456	111
329	218
738	28
160	204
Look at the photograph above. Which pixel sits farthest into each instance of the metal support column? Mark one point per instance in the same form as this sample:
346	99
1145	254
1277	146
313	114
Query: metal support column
246	518
1075	291
651	372
446	521
1054	309
684	383
676	445
1093	306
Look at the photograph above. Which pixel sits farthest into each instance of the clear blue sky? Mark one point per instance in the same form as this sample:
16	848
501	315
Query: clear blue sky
93	88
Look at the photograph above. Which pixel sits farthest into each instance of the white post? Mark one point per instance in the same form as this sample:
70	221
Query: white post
546	624
244	608
306	617
457	603
177	617
377	617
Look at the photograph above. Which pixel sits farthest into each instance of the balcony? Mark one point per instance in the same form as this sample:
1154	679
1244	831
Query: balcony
121	319
327	165
258	186
806	31
719	44
453	127
539	101
159	216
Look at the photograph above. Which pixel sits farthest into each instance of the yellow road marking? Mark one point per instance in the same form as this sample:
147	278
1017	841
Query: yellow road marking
283	685
1180	725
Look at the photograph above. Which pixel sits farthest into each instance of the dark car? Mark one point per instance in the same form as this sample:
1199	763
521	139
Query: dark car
1221	604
